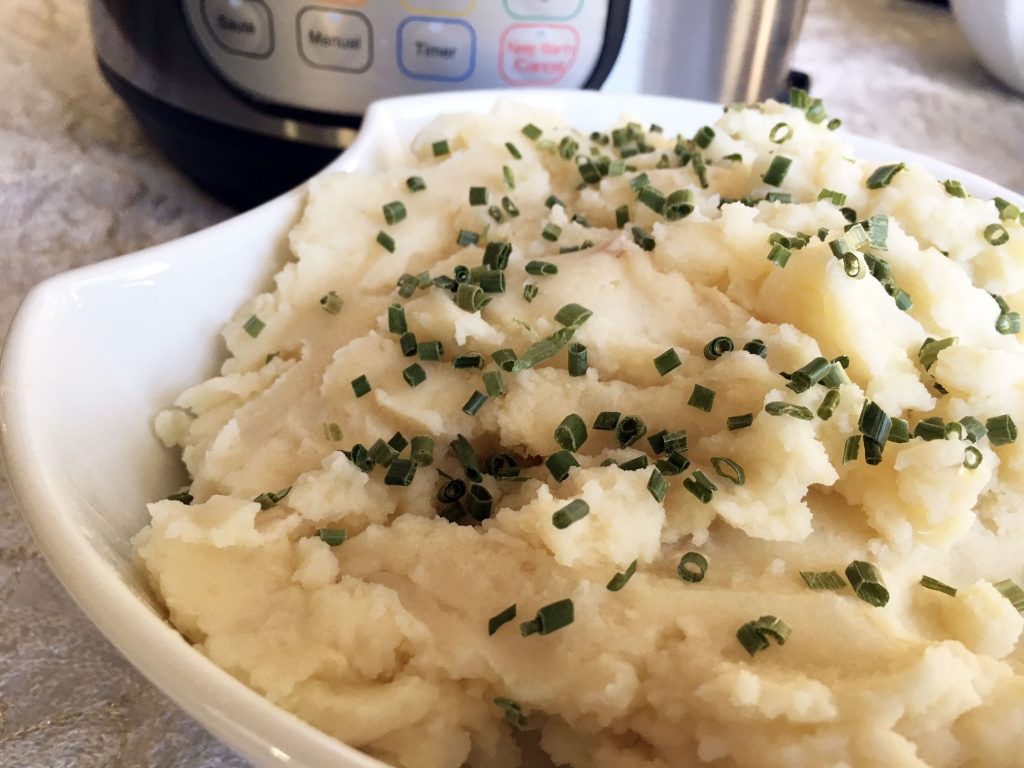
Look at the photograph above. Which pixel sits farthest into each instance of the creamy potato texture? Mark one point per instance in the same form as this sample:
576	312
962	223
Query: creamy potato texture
383	640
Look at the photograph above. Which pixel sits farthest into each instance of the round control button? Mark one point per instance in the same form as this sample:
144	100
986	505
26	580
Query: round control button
335	39
436	49
242	27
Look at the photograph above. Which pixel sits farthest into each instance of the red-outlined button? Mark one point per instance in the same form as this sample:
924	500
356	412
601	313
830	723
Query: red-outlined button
537	54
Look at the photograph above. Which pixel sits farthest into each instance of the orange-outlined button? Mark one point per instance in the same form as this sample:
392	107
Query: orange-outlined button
440	7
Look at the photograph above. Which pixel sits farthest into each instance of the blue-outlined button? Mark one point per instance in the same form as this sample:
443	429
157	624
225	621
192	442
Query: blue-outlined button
543	10
335	39
431	48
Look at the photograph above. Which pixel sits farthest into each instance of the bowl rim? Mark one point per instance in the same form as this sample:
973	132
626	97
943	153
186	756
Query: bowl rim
235	713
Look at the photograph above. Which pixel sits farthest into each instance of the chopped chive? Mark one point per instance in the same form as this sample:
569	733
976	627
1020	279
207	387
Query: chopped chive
933	428
382	453
478	502
652	198
639	181
756	347
607	420
407	285
479	196
471	298
808	375
874	423
475	402
1007	210
883	175
513	150
407	343
973	428
541	268
494	384
777	170
502	466
739	422
1009	589
700	486
853	266
702	398
780	133
468	360
673	441
954	428
571	433
440	148
834	124
495	213
1009	323
573	315
954	188
531	131
828	405
422	450
836	198
559	463
972	457
508	177
620	579
635	464
577	359
398	442
504	359
552	201
929	351
779	255
657	485
551	232
1001	430
872	451
332	431
866	581
733	472
628	430
543	350
496	254
644	240
717	347
464	452
271	498
430	350
678	205
878	232
499	620
254	326
396	319
996	234
674	463
822	579
394	211
929	583
513	710
415	184
704	136
851	449
332	537
667	361
467	237
572	512
530	291
621	216
693	566
754	635
414	375
361	385
780	408
331	302
549	619
509	206
386	241
589	172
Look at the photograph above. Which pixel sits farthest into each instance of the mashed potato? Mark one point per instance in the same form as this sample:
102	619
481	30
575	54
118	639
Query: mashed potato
851	435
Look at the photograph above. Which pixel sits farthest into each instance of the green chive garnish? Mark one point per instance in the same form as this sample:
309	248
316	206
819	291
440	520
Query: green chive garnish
702	398
621	216
954	188
407	343
822	579
478	502
549	619
494	384
933	428
874	423
628	430
929	583
541	268
575	510
361	386
929	351
717	347
974	430
620	579
183	496
1001	430
415	184
513	150
497	621
478	195
414	375
851	448
739	422
608	420
504	359
780	408
331	302
836	198
828	405
467	237
577	359
667	361
996	234
396	319
657	485
254	326
704	137
641	238
510	207
700	486
468	360
551	232
430	350
271	498
674	464
571	433
972	457
779	255
332	431
386	241
754	636
333	537
471	298
559	463
508	177
382	453
635	464
394	212
530	291
807	376
692	567
513	710
422	450
1009	589
398	442
531	131
440	148
464	452
543	350
573	315
475	402
777	171
652	198
678	205
732	471
866	581
780	133
883	175
756	347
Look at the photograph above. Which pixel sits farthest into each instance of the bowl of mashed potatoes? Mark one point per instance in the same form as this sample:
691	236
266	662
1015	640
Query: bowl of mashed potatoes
570	430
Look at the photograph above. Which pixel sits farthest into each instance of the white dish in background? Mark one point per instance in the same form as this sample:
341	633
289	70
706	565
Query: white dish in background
995	30
95	353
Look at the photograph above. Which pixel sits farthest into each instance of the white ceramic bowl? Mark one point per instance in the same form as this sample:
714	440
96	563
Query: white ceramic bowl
95	353
995	30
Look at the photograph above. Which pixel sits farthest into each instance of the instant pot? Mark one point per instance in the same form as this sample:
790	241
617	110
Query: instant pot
250	97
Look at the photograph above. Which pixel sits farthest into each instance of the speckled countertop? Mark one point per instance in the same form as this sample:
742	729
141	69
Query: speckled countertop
79	183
